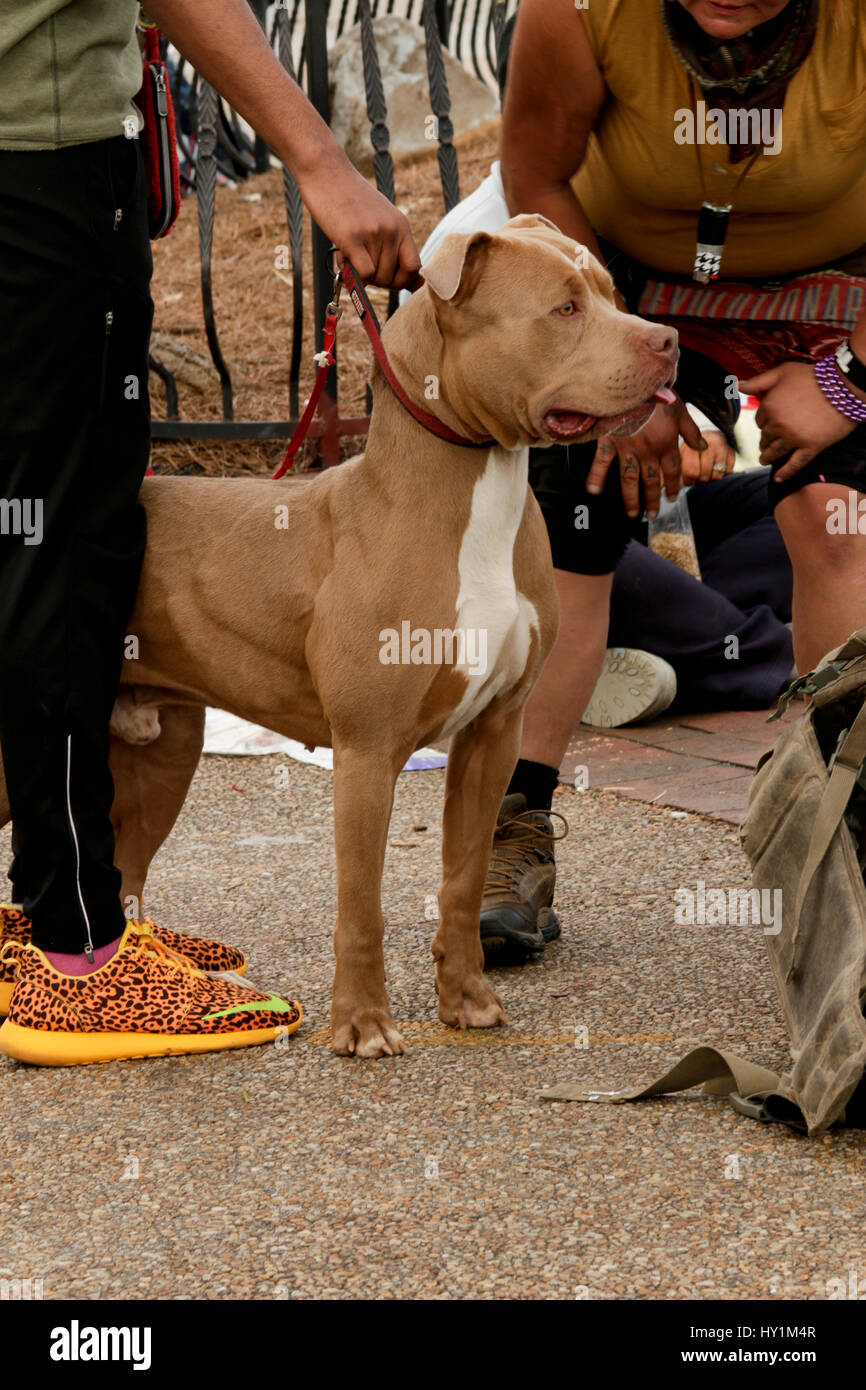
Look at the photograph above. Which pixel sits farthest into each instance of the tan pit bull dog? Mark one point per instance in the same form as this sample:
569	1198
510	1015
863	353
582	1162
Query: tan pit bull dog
300	628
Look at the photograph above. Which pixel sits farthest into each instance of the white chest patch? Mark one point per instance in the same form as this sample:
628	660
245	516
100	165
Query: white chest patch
496	619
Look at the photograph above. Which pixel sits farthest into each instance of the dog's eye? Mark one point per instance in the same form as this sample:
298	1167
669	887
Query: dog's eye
566	310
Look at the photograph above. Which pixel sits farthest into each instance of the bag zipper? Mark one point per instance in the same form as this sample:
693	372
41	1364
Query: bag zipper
165	156
161	98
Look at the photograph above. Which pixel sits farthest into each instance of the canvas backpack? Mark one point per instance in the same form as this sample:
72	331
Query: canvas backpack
804	833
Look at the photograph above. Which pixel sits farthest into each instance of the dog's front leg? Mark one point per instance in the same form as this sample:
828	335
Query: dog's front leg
361	1021
480	762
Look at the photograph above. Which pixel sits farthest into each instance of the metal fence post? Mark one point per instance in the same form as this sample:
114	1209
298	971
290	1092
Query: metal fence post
440	101
261	153
317	86
213	141
443	19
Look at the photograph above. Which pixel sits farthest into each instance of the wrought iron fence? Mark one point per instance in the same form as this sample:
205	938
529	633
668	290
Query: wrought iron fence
211	139
468	27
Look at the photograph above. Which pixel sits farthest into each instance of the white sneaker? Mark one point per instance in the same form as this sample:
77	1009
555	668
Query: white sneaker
633	686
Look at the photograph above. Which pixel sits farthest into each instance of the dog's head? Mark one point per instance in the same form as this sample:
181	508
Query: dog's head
534	349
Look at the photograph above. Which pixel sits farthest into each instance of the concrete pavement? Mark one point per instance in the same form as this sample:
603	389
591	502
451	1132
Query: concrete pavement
290	1173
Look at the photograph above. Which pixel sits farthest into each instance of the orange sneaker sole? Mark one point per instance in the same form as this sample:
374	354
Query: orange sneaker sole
42	1048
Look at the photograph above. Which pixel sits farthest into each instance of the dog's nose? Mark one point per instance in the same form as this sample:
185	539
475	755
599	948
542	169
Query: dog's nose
659	338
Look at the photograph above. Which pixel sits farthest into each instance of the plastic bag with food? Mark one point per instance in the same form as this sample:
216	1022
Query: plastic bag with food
671	534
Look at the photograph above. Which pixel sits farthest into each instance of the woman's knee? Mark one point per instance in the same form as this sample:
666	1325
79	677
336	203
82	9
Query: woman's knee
821	526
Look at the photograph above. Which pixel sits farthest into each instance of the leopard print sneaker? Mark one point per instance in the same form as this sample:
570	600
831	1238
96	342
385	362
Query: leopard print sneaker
213	956
14	926
146	1001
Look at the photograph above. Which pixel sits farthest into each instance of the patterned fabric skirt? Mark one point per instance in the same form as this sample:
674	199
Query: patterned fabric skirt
737	329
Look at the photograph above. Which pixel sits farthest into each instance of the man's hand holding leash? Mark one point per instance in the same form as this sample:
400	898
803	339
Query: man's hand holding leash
224	42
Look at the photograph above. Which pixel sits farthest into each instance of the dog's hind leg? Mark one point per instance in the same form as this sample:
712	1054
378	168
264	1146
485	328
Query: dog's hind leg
480	762
361	1020
151	781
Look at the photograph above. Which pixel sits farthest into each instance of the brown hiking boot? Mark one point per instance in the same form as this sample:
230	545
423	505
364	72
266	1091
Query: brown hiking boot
517	913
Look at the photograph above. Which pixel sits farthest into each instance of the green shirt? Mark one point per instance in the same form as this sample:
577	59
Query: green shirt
68	71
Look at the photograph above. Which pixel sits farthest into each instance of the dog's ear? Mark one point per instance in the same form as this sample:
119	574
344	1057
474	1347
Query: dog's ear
454	269
532	219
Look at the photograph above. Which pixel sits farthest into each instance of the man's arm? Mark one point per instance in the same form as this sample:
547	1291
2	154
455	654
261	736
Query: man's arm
223	41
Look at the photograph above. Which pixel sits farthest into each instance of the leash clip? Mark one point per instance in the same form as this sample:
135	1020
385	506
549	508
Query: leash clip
337	277
334	308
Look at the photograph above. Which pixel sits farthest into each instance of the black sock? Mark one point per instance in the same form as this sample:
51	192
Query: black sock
536	781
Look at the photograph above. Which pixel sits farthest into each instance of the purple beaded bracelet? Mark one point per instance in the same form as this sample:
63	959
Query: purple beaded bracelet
837	393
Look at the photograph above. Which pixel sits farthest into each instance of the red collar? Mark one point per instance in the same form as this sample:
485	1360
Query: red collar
348	276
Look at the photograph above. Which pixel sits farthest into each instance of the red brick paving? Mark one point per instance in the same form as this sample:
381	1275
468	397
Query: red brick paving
701	762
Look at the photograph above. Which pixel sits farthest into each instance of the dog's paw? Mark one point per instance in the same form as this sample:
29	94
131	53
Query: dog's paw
369	1032
473	1005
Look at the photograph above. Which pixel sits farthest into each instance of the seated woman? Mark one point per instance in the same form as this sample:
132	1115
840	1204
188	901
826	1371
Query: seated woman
715	156
719	642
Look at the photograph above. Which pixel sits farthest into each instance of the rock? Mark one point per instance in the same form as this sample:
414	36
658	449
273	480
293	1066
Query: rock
403	64
192	369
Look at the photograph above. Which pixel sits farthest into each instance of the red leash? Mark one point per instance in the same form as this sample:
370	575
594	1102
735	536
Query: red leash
347	276
325	359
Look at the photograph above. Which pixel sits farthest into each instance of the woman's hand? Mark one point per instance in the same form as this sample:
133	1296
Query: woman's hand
650	457
794	416
715	462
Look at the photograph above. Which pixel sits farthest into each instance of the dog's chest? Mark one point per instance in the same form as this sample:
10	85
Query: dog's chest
495	619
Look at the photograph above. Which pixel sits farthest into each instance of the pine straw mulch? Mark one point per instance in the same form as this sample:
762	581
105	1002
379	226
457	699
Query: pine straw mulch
253	310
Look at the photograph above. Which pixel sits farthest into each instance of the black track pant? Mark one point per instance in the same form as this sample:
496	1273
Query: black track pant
75	317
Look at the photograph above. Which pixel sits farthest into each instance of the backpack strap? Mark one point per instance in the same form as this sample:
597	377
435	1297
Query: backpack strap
854	647
846	769
722	1073
152	35
851	650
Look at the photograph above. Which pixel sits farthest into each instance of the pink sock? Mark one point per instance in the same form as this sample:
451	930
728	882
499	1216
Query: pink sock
79	964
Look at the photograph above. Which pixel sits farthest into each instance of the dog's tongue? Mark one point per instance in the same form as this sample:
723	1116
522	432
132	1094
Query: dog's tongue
569	423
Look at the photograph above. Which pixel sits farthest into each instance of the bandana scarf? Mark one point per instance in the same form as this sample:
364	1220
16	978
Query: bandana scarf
748	326
749	73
